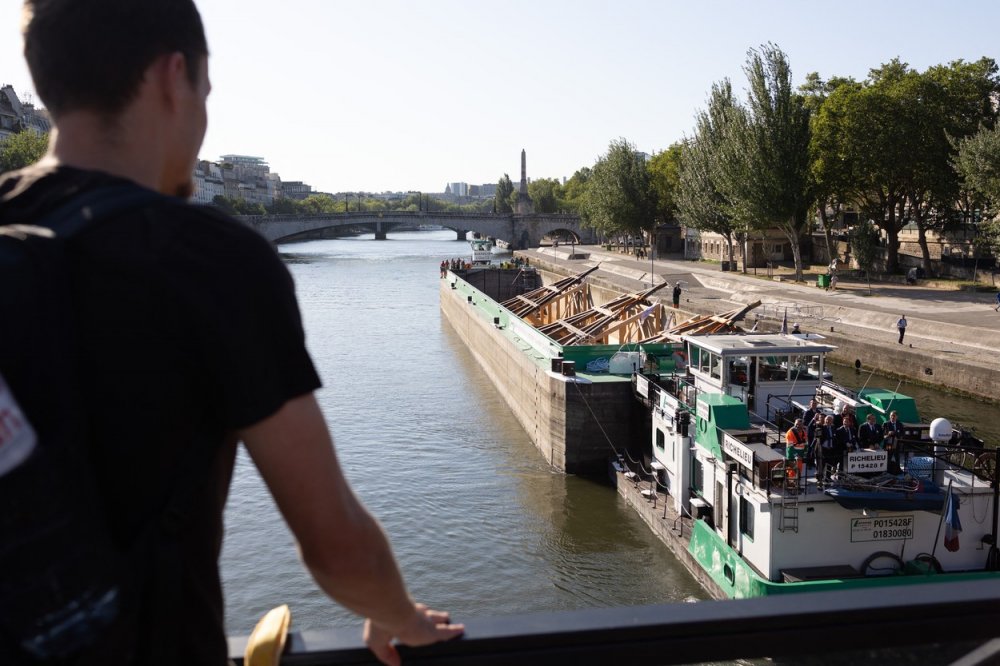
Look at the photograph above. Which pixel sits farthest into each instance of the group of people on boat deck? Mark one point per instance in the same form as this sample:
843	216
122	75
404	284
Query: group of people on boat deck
823	439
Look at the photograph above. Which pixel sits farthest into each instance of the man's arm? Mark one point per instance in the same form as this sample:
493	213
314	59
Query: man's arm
343	546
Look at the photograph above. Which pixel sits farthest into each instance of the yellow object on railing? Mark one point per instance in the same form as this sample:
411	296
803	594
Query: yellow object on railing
267	641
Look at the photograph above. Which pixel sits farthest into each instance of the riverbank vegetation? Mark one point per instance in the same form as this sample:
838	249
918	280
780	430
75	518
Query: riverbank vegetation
902	148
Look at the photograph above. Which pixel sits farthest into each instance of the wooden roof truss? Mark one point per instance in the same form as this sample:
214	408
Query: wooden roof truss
627	318
705	325
559	300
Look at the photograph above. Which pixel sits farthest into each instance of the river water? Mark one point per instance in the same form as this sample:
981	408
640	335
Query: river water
480	524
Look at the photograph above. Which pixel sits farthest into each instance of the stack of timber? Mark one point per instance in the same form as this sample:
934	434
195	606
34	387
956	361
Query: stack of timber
550	303
628	318
705	325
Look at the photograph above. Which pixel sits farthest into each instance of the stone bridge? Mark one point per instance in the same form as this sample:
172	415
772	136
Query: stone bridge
521	231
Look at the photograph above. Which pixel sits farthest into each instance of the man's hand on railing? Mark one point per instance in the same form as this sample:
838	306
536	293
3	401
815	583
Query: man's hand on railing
424	627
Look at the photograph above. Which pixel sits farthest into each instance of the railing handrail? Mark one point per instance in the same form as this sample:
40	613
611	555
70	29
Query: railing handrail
680	633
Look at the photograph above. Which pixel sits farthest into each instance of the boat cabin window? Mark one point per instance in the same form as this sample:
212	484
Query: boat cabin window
737	370
804	366
716	366
705	361
746	518
773	368
659	439
697	477
695	355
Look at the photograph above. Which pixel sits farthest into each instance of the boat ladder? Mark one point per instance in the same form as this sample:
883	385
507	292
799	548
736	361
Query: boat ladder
790	500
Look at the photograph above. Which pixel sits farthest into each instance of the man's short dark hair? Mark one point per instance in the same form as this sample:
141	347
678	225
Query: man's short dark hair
92	54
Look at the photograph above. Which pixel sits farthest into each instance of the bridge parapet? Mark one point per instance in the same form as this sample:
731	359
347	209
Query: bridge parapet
521	231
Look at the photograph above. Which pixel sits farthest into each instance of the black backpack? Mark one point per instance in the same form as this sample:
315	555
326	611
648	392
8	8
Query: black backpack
61	576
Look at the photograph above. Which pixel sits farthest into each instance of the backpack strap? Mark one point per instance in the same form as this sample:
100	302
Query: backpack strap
76	214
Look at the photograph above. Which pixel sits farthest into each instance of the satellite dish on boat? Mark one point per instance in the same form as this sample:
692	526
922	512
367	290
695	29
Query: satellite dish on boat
941	430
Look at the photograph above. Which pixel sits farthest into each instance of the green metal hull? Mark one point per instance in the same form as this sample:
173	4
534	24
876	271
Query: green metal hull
737	580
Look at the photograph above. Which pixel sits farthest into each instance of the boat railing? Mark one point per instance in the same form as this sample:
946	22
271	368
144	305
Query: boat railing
945	621
784	408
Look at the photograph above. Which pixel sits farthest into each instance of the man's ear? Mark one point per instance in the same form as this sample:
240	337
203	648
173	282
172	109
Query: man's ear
169	75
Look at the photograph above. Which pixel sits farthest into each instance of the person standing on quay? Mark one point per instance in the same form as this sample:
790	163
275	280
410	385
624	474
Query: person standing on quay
189	335
901	326
677	294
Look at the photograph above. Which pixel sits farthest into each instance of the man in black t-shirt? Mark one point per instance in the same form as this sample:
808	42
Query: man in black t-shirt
190	335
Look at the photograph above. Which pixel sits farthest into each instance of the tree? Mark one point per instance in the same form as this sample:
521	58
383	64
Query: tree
831	184
864	137
701	200
950	103
620	197
664	172
501	198
575	189
22	149
545	194
978	164
283	206
767	176
866	246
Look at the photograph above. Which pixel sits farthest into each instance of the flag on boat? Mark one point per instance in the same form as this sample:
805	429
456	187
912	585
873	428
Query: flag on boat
784	323
952	524
648	311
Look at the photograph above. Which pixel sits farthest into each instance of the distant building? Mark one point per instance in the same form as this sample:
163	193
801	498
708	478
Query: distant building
18	116
457	189
295	189
208	182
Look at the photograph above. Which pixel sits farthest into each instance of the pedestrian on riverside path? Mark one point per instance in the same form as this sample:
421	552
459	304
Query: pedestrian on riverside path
901	325
677	294
997	308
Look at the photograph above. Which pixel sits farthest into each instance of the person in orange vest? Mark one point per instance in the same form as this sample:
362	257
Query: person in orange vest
796	440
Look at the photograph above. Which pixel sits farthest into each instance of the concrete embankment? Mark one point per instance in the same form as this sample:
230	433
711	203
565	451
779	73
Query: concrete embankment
952	340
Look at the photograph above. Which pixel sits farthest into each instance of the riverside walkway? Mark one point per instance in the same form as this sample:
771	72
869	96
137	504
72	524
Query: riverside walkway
952	337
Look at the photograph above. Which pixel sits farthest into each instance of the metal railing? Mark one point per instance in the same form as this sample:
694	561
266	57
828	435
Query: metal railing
901	617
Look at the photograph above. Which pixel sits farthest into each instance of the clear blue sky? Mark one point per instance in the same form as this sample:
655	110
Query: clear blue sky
381	95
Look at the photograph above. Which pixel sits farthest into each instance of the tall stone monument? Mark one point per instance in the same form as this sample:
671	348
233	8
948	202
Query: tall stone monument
524	205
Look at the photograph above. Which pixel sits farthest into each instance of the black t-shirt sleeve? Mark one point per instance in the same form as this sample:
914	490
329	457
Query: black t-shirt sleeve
244	316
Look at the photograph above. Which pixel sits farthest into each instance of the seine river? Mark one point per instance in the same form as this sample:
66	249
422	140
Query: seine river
480	524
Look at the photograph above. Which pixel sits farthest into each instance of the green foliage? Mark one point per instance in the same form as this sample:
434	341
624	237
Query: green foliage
978	163
701	200
502	197
620	196
22	149
664	172
225	204
866	245
767	174
545	193
575	190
